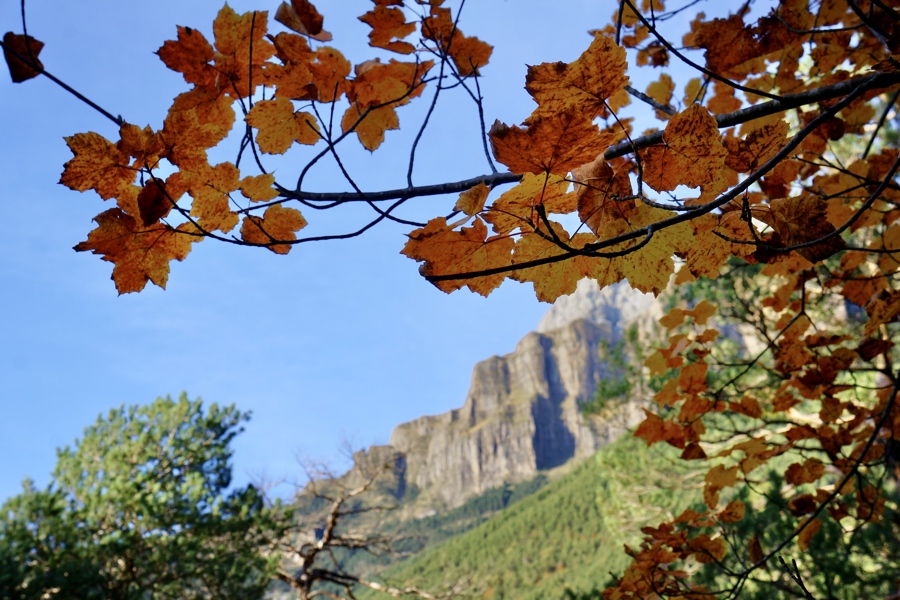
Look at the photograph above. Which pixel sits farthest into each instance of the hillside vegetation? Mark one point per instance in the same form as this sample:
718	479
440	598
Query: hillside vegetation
568	535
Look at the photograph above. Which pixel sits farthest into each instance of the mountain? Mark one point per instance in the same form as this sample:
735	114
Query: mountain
522	414
570	534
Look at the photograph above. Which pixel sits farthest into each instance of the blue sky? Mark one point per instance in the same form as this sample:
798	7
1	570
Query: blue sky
337	340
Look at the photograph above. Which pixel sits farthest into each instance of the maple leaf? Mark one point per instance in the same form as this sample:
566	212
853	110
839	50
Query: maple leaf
603	194
259	188
145	146
553	144
17	47
467	53
241	50
329	71
190	55
98	165
447	251
811	470
472	200
747	155
153	203
279	126
809	532
389	26
584	85
140	255
302	17
197	120
802	219
278	224
691	154
516	207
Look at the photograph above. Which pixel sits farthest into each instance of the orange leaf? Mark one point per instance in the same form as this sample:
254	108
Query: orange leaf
388	26
235	37
259	188
191	56
278	224
302	17
279	126
370	125
692	379
808	533
447	251
716	479
472	200
153	203
516	207
28	49
702	312
809	471
139	255
98	165
144	145
600	191
584	85
747	155
802	219
553	144
733	512
691	154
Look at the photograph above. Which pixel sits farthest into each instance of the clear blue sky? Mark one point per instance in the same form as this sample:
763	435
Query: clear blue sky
337	340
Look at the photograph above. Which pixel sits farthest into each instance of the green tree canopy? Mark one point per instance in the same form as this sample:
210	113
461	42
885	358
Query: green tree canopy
140	508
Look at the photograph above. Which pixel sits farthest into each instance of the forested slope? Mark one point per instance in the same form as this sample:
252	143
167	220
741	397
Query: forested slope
568	535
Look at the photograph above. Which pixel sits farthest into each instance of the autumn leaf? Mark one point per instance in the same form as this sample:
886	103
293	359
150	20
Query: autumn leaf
603	193
190	55
98	165
139	255
584	85
153	203
279	126
241	50
691	154
259	188
21	54
801	219
447	252
807	472
301	16
516	208
389	27
472	200
278	224
809	532
555	144
747	155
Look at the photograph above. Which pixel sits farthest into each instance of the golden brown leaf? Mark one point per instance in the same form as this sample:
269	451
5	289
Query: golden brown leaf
811	470
747	155
601	192
389	26
139	255
235	37
584	85
691	153
802	219
302	17
279	126
370	125
472	200
447	251
190	55
97	165
553	144
278	224
516	207
28	49
153	203
809	532
259	188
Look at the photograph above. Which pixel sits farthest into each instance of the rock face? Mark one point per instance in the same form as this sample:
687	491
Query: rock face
522	413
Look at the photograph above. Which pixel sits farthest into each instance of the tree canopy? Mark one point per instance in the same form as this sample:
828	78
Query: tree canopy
139	508
771	167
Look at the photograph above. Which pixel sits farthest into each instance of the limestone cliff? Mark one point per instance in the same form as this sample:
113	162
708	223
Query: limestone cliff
522	414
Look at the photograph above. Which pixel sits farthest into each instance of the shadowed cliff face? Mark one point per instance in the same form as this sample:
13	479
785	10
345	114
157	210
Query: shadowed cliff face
521	414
